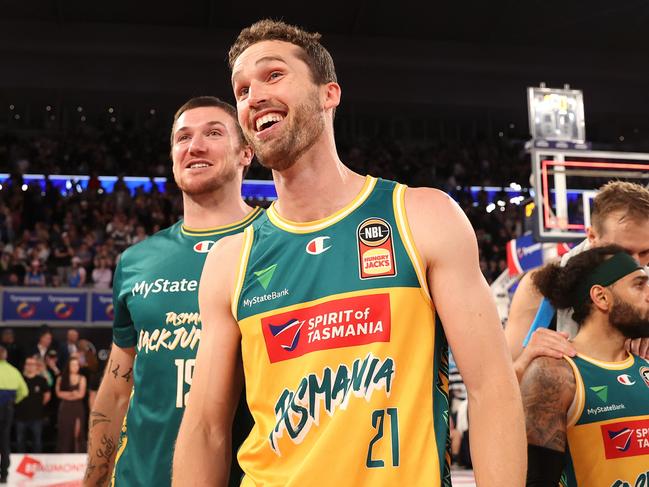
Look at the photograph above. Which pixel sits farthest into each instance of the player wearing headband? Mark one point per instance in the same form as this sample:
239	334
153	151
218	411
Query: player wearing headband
620	217
588	416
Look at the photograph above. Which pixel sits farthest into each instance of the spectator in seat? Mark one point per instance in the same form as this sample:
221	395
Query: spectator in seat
34	277
77	276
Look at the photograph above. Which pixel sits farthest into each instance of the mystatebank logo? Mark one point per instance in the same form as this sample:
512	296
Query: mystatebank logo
248	302
144	288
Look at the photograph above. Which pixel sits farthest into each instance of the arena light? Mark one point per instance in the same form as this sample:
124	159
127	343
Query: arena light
24	187
491	207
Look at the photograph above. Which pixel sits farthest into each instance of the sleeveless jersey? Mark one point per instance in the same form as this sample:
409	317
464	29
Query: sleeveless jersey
155	296
608	424
346	363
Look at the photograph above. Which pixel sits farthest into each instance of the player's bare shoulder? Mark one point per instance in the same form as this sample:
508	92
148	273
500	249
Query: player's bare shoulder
548	389
222	266
437	223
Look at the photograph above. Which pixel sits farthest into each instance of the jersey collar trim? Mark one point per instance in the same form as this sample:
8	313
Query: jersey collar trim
624	364
317	225
206	232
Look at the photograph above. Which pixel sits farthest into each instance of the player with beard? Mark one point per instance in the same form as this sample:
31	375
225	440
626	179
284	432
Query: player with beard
620	216
337	306
157	326
588	416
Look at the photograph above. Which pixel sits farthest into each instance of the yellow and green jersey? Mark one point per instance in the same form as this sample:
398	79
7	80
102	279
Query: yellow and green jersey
345	360
608	424
155	296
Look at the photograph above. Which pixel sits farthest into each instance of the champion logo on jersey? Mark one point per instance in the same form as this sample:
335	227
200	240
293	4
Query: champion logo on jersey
625	379
204	246
317	245
644	372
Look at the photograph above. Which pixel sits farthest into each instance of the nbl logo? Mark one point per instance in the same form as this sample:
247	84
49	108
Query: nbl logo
375	251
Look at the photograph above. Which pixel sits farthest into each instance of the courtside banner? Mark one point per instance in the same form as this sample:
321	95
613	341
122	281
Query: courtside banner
45	305
41	470
102	307
523	254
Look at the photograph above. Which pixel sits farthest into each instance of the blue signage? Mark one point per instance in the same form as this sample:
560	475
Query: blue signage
102	307
28	306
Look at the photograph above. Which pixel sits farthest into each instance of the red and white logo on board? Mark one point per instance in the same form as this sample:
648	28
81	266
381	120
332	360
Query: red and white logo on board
318	245
340	323
29	466
375	250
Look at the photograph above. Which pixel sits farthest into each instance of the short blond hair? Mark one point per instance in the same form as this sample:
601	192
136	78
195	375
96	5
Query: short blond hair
630	198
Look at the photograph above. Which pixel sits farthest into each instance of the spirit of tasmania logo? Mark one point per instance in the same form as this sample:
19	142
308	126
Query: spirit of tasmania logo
626	438
339	323
297	411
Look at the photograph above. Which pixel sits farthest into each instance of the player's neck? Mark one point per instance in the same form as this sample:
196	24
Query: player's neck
214	209
317	185
599	340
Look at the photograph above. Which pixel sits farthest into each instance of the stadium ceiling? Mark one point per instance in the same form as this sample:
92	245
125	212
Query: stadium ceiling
599	24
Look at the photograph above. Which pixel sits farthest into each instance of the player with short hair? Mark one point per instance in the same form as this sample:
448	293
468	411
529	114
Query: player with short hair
337	306
157	325
620	216
588	416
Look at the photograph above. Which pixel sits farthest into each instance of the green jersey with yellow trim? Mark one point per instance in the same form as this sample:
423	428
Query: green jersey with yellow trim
155	296
608	424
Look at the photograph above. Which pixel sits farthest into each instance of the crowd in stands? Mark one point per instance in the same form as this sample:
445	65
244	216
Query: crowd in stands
74	240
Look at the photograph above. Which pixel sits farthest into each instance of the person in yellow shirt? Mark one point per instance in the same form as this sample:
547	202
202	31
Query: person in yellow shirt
12	390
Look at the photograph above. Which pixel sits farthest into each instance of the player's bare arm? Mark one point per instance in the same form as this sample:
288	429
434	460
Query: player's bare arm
107	416
202	453
544	342
548	389
525	304
447	244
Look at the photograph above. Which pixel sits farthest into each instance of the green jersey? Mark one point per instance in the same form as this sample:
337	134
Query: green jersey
155	296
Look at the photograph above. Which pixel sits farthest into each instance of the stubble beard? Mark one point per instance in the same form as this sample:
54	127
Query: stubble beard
204	186
307	124
628	320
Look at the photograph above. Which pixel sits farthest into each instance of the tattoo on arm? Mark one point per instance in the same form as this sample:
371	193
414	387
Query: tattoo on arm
96	418
128	374
547	388
114	371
